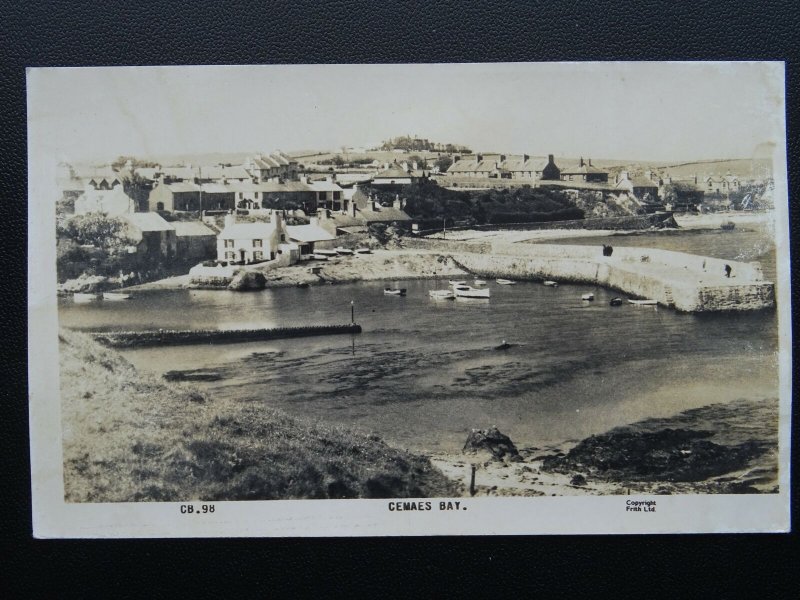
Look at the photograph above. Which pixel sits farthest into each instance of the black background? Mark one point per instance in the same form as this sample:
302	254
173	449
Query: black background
62	33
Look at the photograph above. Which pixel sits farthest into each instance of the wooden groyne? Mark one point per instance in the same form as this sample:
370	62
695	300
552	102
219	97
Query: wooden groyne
172	337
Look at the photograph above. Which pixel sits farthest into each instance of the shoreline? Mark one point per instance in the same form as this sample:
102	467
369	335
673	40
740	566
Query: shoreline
407	263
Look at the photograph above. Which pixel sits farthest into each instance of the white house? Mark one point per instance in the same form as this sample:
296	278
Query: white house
112	201
247	242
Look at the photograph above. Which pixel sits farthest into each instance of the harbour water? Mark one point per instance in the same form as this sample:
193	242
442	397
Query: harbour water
424	372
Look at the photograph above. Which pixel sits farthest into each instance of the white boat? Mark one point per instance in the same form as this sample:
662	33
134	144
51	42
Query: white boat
82	298
318	256
363	251
345	251
480	282
325	252
393	292
115	296
551	283
442	294
451	282
588	297
643	302
505	281
465	291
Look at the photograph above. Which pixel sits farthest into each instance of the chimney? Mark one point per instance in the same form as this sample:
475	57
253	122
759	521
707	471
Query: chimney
396	203
590	162
624	176
405	166
649	175
525	158
580	164
456	158
479	157
550	159
502	158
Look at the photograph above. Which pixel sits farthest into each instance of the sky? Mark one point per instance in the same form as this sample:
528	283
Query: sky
645	111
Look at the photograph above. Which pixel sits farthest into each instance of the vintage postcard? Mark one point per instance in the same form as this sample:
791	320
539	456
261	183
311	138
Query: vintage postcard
368	300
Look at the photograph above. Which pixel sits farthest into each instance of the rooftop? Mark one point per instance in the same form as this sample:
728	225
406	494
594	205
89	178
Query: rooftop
247	231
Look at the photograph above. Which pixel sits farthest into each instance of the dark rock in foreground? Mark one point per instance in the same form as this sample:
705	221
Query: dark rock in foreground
499	444
678	455
248	280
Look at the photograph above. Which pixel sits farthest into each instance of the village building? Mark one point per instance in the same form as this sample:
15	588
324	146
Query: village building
177	196
327	193
264	167
106	197
585	172
522	167
643	187
721	185
308	236
194	240
247	242
152	235
399	174
550	172
474	166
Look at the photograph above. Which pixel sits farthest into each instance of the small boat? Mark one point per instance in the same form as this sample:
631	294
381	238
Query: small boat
451	282
363	251
83	298
394	292
325	252
344	251
503	346
588	297
480	282
643	302
115	296
318	256
615	302
442	294
549	283
465	291
505	281
729	226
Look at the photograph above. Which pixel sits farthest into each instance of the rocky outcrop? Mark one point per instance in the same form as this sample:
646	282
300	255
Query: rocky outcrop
498	444
665	455
248	280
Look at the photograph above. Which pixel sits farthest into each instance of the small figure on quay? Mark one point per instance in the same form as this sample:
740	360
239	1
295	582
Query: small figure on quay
727	270
607	250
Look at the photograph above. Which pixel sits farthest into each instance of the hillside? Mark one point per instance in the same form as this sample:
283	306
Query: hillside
131	437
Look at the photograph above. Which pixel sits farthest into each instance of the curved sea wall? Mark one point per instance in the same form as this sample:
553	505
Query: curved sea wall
685	282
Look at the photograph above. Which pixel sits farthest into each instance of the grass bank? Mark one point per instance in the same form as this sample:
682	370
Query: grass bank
129	436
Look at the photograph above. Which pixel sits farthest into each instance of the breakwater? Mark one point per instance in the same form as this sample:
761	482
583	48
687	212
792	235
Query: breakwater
137	339
686	282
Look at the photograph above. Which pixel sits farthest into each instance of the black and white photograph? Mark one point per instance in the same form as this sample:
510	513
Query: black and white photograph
430	298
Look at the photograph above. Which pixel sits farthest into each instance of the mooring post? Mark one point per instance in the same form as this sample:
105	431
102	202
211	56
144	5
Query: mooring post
472	482
352	312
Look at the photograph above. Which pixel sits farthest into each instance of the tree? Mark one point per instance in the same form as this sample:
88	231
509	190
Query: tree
98	230
444	162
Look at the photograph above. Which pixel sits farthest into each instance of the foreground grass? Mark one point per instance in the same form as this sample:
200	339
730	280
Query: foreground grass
131	437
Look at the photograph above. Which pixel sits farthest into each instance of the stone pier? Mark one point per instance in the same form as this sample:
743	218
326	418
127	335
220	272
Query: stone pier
686	282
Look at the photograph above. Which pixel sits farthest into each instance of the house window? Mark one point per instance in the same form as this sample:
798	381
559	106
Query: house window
230	256
256	196
258	243
229	243
337	195
320	195
241	195
283	238
258	255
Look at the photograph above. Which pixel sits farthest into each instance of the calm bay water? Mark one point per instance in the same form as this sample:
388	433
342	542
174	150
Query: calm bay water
424	372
